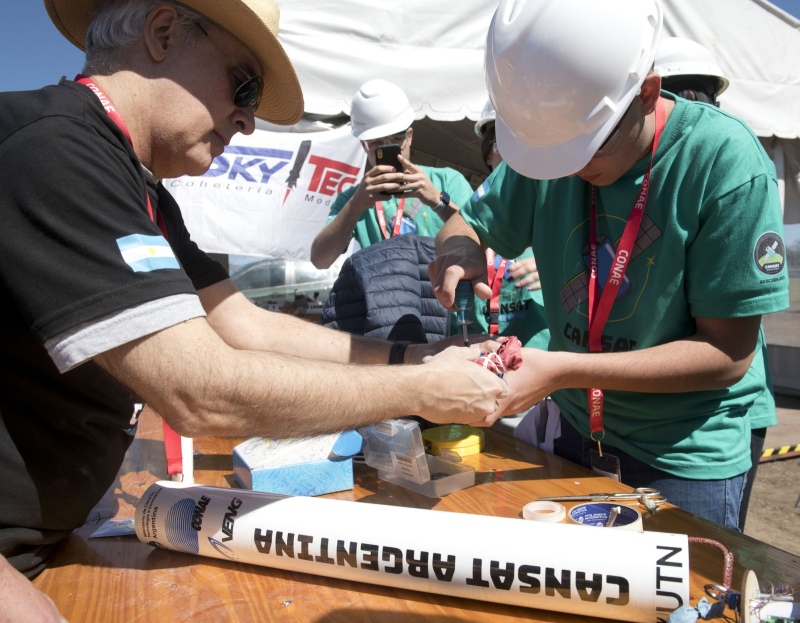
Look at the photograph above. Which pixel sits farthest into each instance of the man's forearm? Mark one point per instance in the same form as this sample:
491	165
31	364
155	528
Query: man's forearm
201	386
285	334
245	326
209	388
22	601
334	237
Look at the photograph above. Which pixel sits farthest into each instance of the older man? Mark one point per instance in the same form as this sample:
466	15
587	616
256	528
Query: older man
108	302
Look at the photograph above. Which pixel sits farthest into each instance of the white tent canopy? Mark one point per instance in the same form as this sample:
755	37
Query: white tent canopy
434	49
758	48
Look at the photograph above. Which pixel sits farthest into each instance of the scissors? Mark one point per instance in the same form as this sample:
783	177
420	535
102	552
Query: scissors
649	498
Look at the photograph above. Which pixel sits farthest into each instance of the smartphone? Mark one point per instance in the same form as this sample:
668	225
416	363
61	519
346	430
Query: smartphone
388	154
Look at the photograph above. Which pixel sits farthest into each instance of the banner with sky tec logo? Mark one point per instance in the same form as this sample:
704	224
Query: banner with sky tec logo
269	193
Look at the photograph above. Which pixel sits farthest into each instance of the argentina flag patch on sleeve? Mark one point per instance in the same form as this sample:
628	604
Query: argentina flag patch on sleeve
147	253
481	190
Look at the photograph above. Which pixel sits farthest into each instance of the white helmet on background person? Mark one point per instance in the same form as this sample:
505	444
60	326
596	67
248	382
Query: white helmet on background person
379	109
562	74
677	56
487	116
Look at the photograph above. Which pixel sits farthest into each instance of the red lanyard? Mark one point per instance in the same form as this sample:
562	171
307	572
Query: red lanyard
496	281
600	307
172	441
116	118
398	217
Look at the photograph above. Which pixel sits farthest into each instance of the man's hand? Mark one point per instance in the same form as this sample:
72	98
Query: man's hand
459	391
21	601
459	256
525	274
526	386
466	262
479	344
378	181
418	184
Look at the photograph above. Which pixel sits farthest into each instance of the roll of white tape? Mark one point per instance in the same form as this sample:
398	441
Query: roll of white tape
600	514
551	512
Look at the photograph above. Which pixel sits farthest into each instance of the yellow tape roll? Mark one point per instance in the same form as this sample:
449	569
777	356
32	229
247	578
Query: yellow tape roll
459	438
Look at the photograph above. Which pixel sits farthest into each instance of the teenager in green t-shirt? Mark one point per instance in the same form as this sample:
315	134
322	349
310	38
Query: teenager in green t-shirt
689	70
668	208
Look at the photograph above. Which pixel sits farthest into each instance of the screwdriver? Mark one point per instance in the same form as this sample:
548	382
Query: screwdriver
464	300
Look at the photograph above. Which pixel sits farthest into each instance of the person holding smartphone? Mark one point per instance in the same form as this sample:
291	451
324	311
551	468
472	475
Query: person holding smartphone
395	196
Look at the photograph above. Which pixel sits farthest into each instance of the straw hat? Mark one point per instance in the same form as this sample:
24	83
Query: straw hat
253	22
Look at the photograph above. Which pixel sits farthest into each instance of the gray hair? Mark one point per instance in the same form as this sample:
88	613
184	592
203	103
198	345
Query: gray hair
118	23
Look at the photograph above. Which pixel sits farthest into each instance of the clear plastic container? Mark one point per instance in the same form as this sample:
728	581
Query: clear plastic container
446	477
395	448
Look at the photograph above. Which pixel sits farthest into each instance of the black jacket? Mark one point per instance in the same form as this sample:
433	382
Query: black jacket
384	291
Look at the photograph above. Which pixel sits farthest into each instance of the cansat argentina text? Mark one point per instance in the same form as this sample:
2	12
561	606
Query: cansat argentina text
442	567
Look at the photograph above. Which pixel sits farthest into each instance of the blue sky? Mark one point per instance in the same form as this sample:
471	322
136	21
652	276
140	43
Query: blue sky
35	54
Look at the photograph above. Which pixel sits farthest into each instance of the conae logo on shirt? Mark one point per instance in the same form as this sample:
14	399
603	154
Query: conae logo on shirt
769	254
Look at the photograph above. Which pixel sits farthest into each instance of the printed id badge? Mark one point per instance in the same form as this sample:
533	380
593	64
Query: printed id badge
407	226
507	276
606	465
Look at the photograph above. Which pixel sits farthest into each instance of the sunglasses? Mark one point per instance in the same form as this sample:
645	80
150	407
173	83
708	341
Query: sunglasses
611	144
248	93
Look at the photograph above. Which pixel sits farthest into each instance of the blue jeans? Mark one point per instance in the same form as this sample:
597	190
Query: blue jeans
715	500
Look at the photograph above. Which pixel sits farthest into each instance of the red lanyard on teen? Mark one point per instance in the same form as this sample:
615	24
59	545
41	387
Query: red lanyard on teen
600	307
496	283
398	217
172	441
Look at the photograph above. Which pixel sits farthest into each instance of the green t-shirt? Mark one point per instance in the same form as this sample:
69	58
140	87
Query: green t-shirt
520	312
710	246
367	230
762	413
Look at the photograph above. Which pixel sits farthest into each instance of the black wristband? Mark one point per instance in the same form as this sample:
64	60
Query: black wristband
397	353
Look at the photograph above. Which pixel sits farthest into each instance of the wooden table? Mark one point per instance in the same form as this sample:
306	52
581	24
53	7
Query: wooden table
121	580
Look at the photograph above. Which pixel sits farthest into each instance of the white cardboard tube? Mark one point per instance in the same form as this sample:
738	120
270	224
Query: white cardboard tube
559	567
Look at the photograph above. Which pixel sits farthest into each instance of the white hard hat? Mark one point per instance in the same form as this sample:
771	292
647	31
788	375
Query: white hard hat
677	56
487	116
379	109
562	74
